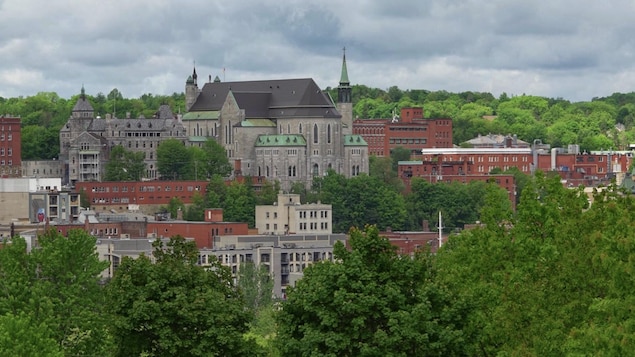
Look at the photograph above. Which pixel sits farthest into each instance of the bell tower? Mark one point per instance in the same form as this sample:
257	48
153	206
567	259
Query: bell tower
344	98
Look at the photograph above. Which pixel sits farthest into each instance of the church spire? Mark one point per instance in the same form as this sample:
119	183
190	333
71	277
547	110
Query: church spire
344	77
344	92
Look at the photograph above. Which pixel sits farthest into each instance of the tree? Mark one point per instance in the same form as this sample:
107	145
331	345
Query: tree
397	154
20	336
214	160
174	307
125	165
239	204
370	301
174	160
256	285
55	288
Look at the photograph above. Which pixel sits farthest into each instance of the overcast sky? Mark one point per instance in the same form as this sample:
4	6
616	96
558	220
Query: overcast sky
573	49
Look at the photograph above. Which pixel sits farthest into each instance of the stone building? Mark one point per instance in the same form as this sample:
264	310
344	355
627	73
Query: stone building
287	130
86	140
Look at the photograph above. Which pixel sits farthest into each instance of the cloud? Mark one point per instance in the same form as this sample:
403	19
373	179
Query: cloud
570	49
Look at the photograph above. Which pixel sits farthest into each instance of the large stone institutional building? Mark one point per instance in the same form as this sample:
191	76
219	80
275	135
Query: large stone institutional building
287	130
86	140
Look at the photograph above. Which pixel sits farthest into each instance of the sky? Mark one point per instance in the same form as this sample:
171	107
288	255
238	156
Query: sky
570	49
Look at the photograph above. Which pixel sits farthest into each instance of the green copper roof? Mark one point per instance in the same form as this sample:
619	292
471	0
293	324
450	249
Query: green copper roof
410	162
197	139
280	140
257	123
212	114
354	140
344	78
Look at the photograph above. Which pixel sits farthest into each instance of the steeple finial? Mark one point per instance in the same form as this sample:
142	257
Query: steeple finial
344	77
83	92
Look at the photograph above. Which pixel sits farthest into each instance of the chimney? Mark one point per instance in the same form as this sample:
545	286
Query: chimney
238	167
179	214
214	215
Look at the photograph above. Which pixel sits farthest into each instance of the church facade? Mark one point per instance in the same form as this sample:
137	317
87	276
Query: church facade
286	130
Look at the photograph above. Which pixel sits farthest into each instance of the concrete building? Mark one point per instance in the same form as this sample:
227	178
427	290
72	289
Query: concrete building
86	140
18	204
289	216
287	130
42	168
285	256
10	146
409	130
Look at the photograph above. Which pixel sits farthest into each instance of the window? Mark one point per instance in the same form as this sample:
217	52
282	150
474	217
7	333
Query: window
328	134
315	134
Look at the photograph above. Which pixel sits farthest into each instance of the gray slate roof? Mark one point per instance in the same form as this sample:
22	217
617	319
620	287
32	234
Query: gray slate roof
269	98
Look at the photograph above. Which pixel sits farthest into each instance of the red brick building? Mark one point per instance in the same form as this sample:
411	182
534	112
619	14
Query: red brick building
465	165
123	193
410	131
132	227
10	147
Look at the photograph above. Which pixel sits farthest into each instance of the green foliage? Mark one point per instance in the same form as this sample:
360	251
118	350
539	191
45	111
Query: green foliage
370	302
239	204
256	284
210	160
361	200
174	160
552	280
20	336
174	307
54	293
125	165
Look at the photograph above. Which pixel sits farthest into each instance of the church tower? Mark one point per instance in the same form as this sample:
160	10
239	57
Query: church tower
344	99
191	90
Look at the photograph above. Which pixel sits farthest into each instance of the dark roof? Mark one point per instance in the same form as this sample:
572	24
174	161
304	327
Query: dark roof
82	105
269	98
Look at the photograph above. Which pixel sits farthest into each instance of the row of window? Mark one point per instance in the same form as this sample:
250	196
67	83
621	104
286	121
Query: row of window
314	226
408	141
145	188
314	214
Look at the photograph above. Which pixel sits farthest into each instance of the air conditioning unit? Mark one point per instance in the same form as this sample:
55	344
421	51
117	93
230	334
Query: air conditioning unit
125	236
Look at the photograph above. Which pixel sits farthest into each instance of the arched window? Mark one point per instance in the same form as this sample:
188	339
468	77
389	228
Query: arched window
328	134
259	171
316	169
300	128
267	171
315	134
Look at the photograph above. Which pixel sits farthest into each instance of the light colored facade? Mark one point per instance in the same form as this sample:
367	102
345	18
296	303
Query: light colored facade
289	216
86	140
16	200
42	168
286	256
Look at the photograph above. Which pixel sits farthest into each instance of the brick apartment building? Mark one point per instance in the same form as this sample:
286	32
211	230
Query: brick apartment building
410	130
10	146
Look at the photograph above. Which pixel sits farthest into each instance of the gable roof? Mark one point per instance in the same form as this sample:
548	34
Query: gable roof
269	98
280	140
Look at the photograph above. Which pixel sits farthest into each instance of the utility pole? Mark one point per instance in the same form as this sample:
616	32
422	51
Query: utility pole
440	230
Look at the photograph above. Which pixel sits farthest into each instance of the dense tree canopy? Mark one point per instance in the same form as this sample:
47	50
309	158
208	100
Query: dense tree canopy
125	165
370	302
173	307
54	294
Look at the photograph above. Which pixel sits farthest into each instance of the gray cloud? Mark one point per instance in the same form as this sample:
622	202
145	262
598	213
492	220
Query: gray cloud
570	49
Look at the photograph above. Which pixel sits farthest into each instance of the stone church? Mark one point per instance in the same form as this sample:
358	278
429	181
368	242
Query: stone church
287	130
